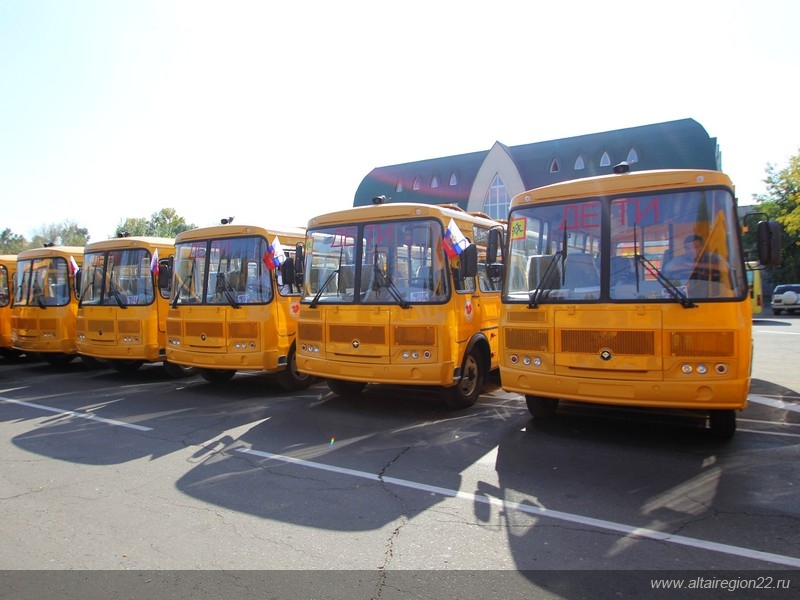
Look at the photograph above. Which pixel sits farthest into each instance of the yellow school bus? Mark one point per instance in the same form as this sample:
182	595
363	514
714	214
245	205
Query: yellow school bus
392	293
756	287
45	304
122	309
630	289
234	303
8	265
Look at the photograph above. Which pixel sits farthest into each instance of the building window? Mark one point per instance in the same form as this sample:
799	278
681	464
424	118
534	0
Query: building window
399	186
633	156
579	166
497	200
554	166
416	183
453	179
605	160
434	182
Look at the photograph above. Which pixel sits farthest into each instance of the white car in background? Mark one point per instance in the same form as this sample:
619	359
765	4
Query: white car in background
786	297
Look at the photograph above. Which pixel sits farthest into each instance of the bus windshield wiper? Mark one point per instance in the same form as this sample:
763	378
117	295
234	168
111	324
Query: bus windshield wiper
390	285
121	302
674	291
536	293
321	289
184	286
227	290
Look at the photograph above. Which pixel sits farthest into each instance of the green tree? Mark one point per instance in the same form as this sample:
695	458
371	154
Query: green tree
164	223
11	243
66	233
781	202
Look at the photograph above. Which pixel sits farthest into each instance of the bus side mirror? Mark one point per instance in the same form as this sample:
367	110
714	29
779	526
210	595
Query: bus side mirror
288	273
165	273
77	282
769	243
299	262
469	261
492	245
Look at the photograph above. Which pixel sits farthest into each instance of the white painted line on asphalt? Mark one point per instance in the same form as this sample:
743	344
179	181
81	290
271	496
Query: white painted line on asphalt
72	413
628	530
774	403
762	432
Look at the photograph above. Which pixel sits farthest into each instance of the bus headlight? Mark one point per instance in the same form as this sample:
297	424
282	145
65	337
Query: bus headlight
702	369
687	369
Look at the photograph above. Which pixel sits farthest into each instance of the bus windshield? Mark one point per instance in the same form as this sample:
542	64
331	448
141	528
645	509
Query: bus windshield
380	262
42	282
117	278
228	271
664	247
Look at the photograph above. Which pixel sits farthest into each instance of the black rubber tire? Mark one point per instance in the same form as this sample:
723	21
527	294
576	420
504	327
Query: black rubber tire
290	378
722	423
466	392
541	407
217	375
346	388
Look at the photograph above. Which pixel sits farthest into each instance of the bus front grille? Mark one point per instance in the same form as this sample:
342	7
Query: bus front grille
415	336
592	341
309	332
702	343
527	339
364	333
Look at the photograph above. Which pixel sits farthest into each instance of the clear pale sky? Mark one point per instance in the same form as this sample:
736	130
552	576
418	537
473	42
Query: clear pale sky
273	112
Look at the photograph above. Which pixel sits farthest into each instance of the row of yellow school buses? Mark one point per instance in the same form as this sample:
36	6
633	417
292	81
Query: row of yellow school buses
414	294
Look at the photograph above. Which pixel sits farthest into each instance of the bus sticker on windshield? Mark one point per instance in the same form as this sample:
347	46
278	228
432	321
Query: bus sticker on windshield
518	228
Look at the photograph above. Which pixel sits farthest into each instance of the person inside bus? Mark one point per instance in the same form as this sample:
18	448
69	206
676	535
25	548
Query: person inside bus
695	262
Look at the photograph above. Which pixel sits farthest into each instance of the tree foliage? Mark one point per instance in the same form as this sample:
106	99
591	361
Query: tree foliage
164	223
66	233
11	243
781	202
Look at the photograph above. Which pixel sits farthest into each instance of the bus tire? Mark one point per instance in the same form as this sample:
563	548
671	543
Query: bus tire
346	388
290	378
216	376
177	371
722	423
541	407
125	366
465	393
57	359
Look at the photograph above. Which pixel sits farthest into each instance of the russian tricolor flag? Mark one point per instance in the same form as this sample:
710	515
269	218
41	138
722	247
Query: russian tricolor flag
275	255
454	241
73	266
154	263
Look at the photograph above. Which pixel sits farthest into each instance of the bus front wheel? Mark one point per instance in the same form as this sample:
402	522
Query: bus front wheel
722	423
217	375
290	378
177	371
346	388
465	393
541	407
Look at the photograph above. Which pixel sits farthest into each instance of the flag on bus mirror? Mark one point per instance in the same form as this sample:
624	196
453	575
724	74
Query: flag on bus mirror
154	263
454	241
275	255
73	265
